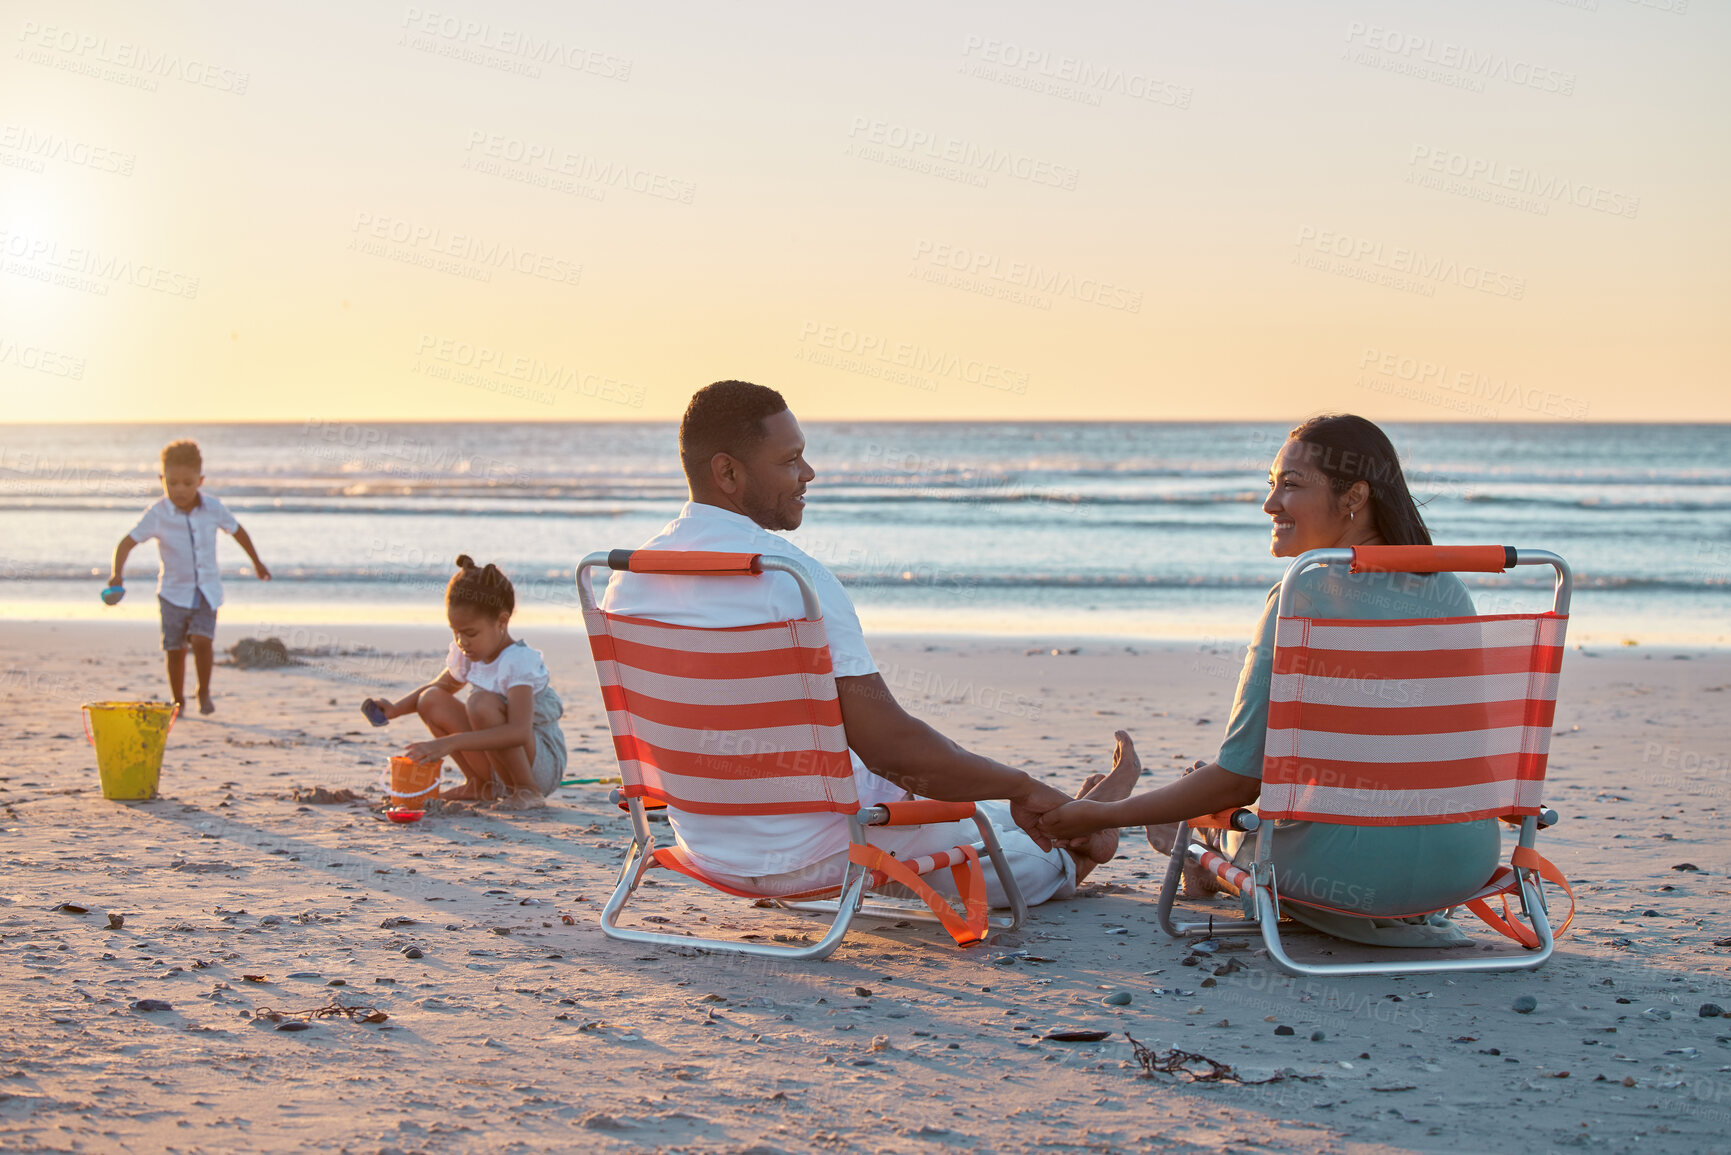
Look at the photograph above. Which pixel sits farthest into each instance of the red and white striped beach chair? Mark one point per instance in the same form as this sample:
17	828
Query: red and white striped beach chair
1463	735
745	721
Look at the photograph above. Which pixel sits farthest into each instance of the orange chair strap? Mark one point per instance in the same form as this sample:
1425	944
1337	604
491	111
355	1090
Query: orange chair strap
970	884
1506	923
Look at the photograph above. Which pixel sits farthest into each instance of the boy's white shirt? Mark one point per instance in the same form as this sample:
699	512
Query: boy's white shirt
186	545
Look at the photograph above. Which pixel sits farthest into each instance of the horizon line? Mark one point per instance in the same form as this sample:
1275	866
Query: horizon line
848	420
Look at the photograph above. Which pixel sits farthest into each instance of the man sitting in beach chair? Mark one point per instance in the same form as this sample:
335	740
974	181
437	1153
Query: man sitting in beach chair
744	458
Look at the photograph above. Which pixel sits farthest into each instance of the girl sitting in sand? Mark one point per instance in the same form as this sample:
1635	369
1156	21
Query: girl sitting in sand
506	737
1335	483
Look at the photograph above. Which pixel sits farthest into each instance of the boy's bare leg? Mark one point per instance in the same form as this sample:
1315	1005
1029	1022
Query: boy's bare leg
176	660
1102	845
513	762
203	658
444	716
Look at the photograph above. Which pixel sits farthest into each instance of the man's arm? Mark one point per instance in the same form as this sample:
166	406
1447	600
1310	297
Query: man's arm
117	571
245	542
900	747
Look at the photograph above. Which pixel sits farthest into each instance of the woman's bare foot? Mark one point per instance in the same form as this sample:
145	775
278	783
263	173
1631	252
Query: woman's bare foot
1162	837
1198	883
205	705
1102	845
522	800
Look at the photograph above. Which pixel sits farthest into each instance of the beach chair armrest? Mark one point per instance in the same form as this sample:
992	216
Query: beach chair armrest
1546	818
1236	819
617	797
916	812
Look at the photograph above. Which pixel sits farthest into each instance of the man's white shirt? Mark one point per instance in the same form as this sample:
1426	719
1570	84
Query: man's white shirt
764	844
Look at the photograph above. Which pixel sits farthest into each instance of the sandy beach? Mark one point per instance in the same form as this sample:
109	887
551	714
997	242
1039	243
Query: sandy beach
513	1024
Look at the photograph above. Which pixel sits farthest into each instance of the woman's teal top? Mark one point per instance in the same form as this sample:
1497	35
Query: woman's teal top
1378	873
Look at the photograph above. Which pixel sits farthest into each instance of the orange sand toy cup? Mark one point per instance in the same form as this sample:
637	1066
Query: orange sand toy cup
411	783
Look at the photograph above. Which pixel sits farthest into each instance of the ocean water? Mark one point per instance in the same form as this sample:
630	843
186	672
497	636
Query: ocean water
1097	529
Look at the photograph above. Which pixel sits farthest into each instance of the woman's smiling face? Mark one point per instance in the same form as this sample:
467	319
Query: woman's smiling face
1307	512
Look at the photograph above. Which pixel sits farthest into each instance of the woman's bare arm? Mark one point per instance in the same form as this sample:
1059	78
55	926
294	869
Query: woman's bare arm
1204	791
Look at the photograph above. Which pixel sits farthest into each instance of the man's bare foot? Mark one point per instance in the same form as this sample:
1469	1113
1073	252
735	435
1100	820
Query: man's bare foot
1102	845
522	800
205	705
1121	782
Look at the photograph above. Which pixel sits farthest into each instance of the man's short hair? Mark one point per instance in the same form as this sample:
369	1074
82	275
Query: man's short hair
182	453
726	417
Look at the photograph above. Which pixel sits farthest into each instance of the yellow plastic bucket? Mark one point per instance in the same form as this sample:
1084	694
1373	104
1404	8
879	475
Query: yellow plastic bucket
129	738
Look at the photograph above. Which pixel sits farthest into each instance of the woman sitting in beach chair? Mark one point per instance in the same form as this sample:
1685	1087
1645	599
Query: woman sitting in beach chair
1335	483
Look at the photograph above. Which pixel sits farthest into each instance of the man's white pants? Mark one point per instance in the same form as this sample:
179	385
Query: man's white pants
1041	875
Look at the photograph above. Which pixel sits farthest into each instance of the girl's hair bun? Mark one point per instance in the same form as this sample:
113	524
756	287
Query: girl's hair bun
483	588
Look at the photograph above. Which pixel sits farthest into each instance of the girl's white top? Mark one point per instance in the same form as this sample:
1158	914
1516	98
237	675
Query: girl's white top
516	665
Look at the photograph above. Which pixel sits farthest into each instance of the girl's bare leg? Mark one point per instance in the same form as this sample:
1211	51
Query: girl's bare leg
444	716
511	763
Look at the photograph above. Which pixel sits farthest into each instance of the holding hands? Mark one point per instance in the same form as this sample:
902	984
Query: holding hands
1076	819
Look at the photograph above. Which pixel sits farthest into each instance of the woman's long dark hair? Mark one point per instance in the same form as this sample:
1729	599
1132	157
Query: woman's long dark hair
1348	449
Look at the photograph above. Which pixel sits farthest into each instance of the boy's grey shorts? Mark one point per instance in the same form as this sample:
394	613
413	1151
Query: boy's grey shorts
181	622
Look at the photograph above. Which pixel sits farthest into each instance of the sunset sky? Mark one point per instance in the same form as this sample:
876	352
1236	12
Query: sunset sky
1497	211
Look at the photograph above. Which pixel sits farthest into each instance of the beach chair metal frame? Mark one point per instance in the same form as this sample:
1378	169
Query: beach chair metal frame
1522	877
642	854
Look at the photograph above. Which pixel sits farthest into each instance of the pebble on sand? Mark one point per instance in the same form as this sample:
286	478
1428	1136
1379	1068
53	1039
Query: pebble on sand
1283	1029
152	1005
1525	1005
1710	1011
413	952
116	921
1117	999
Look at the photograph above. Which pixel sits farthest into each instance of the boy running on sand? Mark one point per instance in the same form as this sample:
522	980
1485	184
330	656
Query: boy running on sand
188	584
